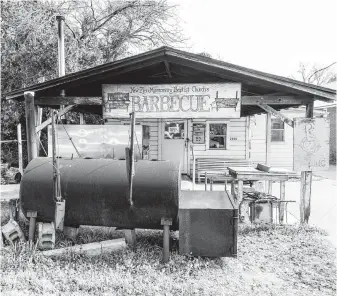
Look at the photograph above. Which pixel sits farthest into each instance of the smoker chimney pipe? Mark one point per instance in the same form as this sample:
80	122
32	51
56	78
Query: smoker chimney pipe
60	26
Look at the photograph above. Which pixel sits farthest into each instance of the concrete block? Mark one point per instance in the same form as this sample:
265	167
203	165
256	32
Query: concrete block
92	249
12	232
46	236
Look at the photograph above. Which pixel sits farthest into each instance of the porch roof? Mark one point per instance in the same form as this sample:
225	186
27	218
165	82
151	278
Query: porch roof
169	65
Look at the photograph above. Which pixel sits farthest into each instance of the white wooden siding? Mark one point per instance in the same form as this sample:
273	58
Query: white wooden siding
281	152
154	133
236	128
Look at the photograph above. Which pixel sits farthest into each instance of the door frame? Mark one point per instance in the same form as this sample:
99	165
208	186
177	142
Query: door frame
184	170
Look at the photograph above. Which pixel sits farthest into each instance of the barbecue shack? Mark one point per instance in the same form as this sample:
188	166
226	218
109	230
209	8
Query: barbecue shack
188	107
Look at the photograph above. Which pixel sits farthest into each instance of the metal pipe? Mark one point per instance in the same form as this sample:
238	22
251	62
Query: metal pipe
32	224
61	59
166	243
60	29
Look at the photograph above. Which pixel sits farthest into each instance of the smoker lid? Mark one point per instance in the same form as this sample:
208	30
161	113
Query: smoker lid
205	200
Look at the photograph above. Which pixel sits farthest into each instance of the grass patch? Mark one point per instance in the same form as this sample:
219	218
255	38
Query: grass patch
272	260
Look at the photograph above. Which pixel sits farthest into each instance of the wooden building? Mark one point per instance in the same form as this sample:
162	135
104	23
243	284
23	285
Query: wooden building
175	133
281	137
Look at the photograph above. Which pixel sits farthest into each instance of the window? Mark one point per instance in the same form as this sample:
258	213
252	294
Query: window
277	130
174	130
217	136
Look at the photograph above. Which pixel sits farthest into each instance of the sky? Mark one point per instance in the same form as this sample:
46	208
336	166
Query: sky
270	36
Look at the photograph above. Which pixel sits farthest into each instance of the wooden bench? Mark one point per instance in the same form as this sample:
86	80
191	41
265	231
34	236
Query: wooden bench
217	167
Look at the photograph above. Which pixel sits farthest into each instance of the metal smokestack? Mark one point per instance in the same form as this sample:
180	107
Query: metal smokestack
60	26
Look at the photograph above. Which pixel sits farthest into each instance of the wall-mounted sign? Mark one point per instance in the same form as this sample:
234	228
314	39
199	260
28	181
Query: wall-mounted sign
311	144
95	141
199	130
221	100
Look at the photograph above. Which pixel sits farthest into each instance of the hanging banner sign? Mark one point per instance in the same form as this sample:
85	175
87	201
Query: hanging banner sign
311	144
221	100
94	141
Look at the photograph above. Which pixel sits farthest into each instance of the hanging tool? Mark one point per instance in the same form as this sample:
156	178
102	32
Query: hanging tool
129	158
59	202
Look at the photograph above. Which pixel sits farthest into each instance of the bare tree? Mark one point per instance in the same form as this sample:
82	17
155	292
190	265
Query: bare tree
316	74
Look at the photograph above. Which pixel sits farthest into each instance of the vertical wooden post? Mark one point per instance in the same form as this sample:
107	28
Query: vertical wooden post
282	198
38	112
205	181
32	224
269	184
130	237
306	180
240	191
20	148
193	177
30	125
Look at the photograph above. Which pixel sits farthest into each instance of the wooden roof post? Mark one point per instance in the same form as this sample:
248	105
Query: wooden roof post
306	179
30	125
268	146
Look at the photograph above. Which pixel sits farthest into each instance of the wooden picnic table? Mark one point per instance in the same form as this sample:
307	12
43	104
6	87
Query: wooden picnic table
241	174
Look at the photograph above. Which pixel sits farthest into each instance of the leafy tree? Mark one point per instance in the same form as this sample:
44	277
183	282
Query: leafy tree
95	32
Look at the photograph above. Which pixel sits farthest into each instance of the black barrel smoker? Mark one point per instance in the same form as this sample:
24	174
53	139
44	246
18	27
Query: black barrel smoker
95	191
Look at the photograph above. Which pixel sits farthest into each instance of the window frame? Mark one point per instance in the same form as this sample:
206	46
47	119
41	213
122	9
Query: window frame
208	134
277	129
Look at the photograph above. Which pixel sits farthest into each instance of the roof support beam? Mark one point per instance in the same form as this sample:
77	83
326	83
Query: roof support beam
64	100
275	100
167	68
49	120
276	114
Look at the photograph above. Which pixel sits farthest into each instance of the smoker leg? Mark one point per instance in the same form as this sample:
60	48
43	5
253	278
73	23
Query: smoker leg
166	222
32	224
13	210
130	237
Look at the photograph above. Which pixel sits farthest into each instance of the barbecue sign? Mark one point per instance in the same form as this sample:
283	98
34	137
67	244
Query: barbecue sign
311	144
221	100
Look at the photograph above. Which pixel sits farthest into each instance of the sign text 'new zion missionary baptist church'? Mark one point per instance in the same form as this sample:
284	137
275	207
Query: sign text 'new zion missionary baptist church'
220	100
